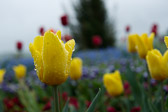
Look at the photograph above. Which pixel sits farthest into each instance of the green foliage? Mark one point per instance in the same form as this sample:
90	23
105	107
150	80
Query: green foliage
95	100
142	98
1	105
27	98
92	20
65	109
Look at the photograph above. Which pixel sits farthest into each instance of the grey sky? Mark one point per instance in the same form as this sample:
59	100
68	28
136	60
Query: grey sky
21	19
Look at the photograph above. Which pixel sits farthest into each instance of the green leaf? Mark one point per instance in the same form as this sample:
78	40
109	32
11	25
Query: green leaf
65	109
95	100
138	91
152	107
1	106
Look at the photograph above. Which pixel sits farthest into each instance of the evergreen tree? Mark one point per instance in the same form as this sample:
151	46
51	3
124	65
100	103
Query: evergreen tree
92	20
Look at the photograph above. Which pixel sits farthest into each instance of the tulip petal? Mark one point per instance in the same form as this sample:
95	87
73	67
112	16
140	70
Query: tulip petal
20	71
166	41
150	41
142	50
113	83
2	73
54	57
106	80
154	64
131	43
59	34
144	38
69	46
38	43
37	61
165	63
116	75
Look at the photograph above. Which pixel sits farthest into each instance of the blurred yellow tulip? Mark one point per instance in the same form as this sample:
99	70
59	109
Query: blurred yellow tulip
76	68
113	83
157	64
166	41
2	73
20	71
52	57
131	43
144	44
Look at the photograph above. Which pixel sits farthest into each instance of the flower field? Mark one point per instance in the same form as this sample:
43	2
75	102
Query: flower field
72	56
131	89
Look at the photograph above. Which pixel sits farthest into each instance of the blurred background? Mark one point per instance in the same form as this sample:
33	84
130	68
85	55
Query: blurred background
100	29
21	19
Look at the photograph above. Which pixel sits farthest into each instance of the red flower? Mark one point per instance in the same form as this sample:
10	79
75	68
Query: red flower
16	100
127	89
8	103
47	106
64	96
41	31
127	28
67	37
52	30
19	45
136	109
97	40
146	85
64	20
73	101
111	109
88	103
154	29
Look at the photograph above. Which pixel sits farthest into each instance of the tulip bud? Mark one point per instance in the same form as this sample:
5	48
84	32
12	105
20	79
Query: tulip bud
127	28
42	31
64	20
113	83
20	71
76	68
19	45
154	29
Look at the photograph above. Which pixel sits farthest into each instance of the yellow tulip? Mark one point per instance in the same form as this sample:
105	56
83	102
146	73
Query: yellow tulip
113	83
166	41
52	57
76	68
2	73
144	44
131	43
20	71
157	64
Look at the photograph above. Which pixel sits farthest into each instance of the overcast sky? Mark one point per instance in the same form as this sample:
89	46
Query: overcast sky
21	19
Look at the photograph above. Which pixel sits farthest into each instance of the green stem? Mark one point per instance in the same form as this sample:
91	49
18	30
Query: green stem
56	99
148	79
162	99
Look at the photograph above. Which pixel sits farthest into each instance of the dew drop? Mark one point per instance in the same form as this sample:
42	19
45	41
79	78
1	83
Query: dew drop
73	49
35	69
